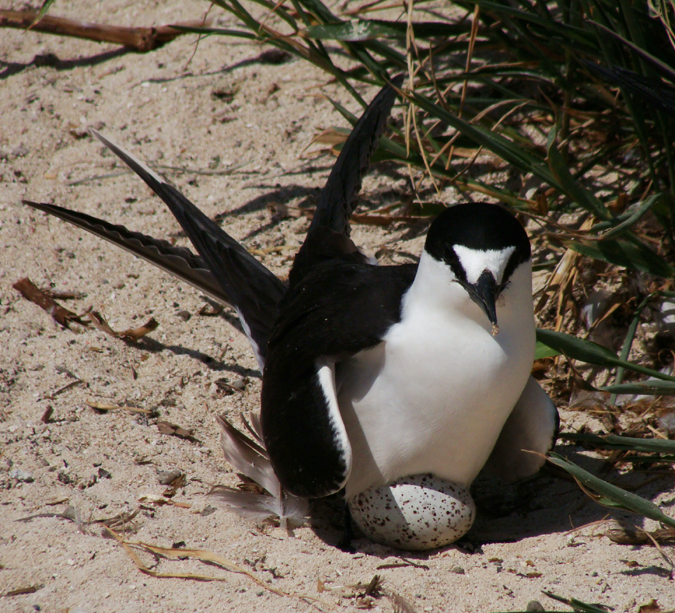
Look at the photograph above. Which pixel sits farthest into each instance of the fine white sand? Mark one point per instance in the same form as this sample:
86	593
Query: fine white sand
216	106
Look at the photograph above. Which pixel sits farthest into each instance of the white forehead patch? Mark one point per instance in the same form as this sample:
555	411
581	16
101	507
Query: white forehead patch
476	261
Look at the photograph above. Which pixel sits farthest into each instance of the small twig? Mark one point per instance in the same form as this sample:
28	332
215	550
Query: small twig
61	315
402	563
660	550
137	38
102	406
208	557
67	386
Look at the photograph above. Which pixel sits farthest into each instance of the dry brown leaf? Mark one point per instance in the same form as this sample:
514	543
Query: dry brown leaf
122	522
55	501
631	535
29	589
47	415
160	501
329	137
102	406
99	321
62	389
182	505
59	314
650	607
170	429
132	334
178	482
135	334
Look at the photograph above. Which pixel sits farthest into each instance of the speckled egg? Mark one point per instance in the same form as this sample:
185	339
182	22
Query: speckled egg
414	513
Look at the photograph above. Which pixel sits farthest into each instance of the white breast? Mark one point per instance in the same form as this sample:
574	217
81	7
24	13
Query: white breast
434	395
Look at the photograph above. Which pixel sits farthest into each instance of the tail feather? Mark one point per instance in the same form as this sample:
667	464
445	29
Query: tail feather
250	458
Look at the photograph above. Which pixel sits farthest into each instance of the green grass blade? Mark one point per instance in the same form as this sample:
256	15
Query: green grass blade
652	388
627	344
624	443
578	604
46	5
504	148
636	256
324	16
571	187
611	495
664	68
567	32
627	220
592	353
208	31
350	117
544	351
359	30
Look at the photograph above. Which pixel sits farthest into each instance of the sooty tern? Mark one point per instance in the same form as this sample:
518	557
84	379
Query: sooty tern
374	373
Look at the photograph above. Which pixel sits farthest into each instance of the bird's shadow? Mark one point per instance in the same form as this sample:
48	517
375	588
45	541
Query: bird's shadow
154	346
551	502
548	503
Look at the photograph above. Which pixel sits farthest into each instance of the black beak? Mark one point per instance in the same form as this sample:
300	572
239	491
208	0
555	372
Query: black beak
484	293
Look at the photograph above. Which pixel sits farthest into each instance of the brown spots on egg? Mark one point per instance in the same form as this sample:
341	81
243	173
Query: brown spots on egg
414	513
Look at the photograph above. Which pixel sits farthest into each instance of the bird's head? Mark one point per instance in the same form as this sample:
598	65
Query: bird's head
482	244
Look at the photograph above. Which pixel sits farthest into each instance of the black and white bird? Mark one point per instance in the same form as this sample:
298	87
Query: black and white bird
376	377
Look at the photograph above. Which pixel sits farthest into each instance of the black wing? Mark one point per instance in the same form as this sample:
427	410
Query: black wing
179	261
328	234
251	289
225	270
339	309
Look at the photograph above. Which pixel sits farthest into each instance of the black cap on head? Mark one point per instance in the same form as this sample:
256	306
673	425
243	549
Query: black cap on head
481	227
476	225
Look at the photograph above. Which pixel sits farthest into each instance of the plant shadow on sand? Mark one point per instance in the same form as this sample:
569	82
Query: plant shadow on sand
10	69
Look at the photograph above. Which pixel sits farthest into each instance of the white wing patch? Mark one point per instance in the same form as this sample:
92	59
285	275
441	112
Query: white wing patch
476	261
249	336
326	374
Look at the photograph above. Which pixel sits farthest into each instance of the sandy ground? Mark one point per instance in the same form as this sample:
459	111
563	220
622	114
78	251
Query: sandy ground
248	121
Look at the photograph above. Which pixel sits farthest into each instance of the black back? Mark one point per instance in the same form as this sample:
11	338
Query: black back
339	309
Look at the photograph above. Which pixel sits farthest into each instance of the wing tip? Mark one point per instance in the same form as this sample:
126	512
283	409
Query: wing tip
128	158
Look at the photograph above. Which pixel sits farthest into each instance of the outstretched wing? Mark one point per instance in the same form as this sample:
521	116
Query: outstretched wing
179	261
225	270
251	289
328	234
339	309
